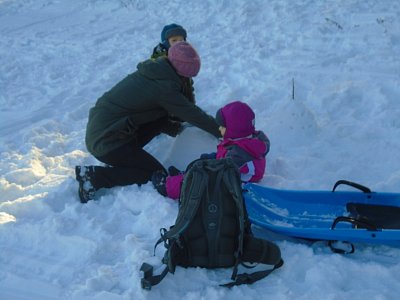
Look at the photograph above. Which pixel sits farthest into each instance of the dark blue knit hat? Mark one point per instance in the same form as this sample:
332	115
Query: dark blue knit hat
171	30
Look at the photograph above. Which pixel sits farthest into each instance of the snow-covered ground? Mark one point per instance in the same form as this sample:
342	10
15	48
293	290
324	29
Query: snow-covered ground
57	57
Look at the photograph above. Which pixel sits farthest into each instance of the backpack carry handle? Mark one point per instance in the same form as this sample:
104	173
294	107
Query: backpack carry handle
353	184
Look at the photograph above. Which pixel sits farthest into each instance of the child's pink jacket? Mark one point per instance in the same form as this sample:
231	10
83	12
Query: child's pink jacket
247	153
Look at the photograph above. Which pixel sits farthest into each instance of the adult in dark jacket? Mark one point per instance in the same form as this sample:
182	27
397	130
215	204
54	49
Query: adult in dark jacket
143	105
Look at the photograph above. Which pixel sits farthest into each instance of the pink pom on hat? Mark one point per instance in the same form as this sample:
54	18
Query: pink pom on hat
184	59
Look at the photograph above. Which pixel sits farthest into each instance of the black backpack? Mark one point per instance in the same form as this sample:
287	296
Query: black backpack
212	229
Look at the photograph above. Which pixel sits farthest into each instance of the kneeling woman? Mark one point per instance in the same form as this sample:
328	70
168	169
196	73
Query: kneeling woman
148	102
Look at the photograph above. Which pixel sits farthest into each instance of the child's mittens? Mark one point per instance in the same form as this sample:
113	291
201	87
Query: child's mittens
173	171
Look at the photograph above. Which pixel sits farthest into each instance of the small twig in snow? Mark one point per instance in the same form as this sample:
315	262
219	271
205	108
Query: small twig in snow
335	23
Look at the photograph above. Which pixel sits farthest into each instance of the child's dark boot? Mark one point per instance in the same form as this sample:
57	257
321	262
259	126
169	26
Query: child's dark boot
159	182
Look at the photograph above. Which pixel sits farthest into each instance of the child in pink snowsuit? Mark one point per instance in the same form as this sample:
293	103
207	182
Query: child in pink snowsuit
241	142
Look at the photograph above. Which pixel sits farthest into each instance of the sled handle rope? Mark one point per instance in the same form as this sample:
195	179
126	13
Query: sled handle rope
353	184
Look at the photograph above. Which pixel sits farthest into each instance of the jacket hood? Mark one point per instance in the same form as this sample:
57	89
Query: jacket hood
238	119
159	69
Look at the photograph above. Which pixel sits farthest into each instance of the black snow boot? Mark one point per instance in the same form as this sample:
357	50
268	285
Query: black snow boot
86	190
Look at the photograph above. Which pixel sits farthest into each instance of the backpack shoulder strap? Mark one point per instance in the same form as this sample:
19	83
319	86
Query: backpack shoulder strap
193	186
195	183
232	181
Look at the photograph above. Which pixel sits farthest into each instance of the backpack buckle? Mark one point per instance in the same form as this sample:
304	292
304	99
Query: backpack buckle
147	274
146	285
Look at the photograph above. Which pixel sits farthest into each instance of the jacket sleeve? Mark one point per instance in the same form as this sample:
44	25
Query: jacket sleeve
178	105
263	137
243	160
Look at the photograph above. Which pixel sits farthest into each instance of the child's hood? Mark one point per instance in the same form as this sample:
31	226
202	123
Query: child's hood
238	119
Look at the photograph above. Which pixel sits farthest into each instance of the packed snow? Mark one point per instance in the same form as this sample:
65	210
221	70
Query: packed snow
322	76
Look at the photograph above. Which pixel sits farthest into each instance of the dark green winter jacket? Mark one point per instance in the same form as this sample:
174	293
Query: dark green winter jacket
152	92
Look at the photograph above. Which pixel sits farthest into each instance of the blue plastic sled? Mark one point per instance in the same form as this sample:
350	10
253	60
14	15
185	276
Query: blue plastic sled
351	216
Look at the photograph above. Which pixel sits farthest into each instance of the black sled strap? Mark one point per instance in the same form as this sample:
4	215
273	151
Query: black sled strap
252	277
149	279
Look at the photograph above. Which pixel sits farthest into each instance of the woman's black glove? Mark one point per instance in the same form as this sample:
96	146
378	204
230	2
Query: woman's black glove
172	128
